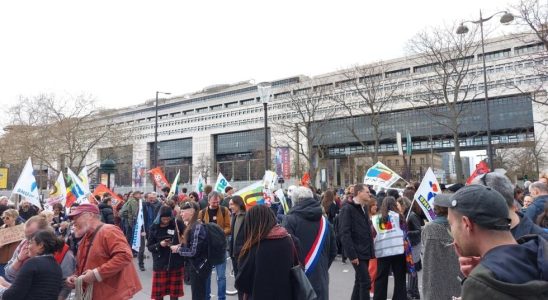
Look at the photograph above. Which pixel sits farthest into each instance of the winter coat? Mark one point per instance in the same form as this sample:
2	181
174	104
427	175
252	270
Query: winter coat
150	212
511	272
355	232
237	237
196	248
332	212
264	272
440	265
536	208
107	213
526	226
303	221
162	258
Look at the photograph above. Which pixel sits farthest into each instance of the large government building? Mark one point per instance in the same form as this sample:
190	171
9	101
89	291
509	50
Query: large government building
221	128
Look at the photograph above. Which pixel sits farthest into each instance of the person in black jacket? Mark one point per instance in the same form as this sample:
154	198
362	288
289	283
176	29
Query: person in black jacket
237	207
167	275
41	276
414	234
306	221
355	230
107	213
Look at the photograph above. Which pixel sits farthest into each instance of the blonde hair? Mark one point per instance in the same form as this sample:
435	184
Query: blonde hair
12	213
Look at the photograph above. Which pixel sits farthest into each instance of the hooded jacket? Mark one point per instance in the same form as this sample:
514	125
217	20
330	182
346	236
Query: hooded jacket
511	272
303	221
526	226
536	208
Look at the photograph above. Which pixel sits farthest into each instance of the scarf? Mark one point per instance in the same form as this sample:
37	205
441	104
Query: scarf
441	220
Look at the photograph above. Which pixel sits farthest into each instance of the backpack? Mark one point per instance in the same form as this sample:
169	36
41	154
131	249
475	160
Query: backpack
216	244
216	239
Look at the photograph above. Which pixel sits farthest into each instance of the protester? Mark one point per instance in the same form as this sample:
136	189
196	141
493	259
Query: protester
192	196
373	208
151	208
539	192
229	191
204	201
356	239
542	220
527	201
58	217
266	258
20	256
104	258
316	238
413	211
27	210
41	276
128	213
167	275
106	210
6	251
219	215
3	207
194	247
237	206
329	206
520	224
389	250
440	262
480	225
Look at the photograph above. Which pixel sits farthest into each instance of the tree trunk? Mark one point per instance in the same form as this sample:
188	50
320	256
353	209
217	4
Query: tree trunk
458	162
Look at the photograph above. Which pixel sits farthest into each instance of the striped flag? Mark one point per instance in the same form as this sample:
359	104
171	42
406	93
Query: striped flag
252	194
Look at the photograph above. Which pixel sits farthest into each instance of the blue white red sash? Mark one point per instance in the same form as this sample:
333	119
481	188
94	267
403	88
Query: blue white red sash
316	250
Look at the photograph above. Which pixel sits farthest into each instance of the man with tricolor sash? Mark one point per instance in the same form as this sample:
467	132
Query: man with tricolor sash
316	237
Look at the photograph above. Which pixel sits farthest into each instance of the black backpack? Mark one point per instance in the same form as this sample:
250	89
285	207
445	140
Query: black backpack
216	241
216	244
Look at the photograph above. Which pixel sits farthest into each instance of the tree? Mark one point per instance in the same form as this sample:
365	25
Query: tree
62	132
203	166
448	56
533	14
374	95
301	124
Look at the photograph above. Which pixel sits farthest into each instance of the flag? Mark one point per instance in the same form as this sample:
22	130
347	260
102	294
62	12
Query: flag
252	194
221	184
481	168
159	178
58	192
200	186
280	194
424	196
83	175
269	179
26	185
380	175
398	142
409	143
101	189
305	181
174	186
76	191
136	240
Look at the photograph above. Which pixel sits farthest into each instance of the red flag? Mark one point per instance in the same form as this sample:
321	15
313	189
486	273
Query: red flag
481	168
101	189
305	181
159	178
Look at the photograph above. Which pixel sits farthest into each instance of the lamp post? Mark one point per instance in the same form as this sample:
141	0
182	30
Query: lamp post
462	29
155	156
264	89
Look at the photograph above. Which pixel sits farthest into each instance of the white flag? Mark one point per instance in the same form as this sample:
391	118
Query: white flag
83	175
221	184
26	185
174	185
280	194
136	242
78	189
425	194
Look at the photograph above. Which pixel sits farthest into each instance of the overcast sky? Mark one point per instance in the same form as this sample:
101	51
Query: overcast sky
122	52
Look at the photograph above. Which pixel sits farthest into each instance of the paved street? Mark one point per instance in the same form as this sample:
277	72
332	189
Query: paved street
340	286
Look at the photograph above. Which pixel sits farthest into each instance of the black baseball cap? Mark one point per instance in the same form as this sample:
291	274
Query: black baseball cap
190	204
483	205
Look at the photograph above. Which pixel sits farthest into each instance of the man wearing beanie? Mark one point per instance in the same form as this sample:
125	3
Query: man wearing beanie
480	224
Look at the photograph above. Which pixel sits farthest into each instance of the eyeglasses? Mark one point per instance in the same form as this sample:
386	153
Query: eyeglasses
5	218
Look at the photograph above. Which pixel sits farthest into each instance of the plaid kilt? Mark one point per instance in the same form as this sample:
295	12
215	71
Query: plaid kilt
167	283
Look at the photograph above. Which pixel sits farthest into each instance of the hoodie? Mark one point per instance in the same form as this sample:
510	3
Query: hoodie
511	272
303	222
526	226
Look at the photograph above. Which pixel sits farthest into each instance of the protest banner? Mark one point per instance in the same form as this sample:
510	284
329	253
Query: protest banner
426	192
221	183
159	178
26	185
380	175
13	234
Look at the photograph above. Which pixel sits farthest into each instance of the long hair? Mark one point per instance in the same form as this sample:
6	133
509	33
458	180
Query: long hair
388	203
258	222
239	202
192	221
327	200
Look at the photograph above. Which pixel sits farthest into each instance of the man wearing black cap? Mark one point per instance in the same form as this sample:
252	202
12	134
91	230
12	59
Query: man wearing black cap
480	225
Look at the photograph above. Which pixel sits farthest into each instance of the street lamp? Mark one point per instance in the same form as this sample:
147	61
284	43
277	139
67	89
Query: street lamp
155	160
264	89
462	29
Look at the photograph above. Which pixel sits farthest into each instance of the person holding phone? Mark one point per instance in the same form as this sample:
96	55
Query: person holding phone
167	278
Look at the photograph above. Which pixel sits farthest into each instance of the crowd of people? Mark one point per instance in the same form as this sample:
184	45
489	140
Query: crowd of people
488	240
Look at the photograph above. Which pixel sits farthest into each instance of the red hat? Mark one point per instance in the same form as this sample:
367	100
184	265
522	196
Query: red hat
82	208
